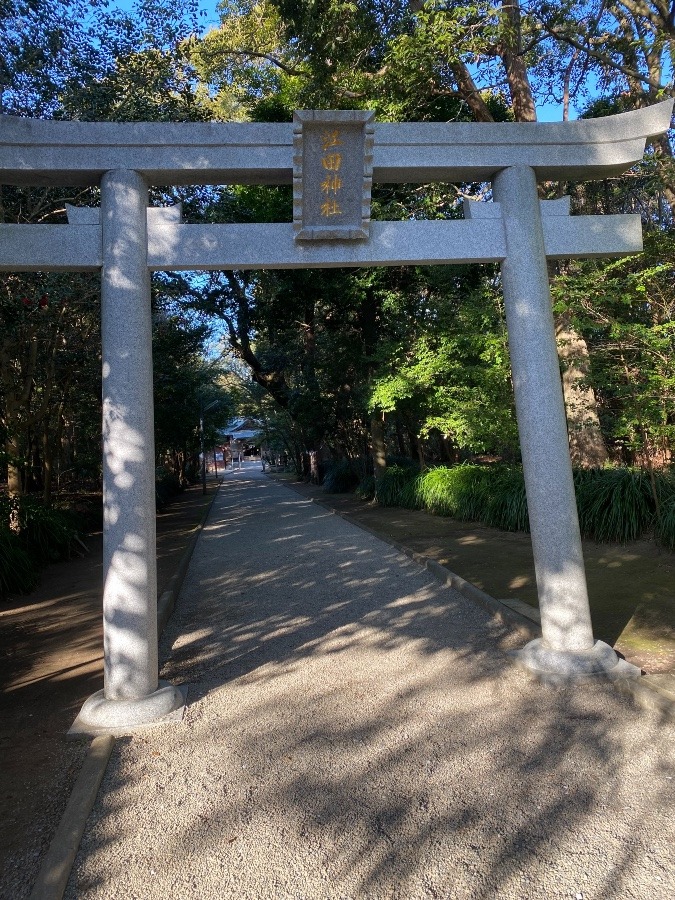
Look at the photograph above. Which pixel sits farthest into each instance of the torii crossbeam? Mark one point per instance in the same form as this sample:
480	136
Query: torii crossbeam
126	240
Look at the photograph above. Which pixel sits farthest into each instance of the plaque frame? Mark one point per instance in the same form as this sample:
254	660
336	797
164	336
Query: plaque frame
338	118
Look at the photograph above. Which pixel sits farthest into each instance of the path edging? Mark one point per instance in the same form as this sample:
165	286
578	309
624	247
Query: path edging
56	866
648	692
54	872
167	602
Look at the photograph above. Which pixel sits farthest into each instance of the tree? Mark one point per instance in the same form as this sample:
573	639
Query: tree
623	48
450	364
626	311
405	60
72	59
185	381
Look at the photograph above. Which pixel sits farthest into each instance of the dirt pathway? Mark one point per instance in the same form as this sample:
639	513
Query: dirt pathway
51	643
354	729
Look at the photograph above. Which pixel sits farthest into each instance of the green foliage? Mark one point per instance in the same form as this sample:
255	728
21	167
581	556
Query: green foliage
43	535
493	495
47	534
18	572
506	503
449	363
614	504
167	486
391	487
404	462
185	383
365	490
427	346
665	525
625	309
457	491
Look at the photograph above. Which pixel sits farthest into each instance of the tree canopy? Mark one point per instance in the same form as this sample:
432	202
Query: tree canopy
412	361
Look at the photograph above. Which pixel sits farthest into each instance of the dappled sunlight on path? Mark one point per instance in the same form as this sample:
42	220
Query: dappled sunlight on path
356	730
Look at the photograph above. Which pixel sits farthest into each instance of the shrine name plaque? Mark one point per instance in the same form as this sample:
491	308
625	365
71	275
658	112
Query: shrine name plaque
332	174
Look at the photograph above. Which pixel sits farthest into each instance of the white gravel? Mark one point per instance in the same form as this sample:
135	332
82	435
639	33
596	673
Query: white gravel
355	730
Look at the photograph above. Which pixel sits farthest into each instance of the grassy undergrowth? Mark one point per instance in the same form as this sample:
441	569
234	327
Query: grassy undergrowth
42	535
614	504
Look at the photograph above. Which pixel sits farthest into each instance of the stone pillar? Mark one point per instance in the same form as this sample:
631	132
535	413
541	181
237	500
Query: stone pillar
132	694
567	648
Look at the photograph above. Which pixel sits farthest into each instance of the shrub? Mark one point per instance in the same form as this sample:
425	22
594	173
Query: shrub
365	489
18	572
506	503
342	476
664	530
409	494
46	534
613	504
391	484
403	462
458	491
167	485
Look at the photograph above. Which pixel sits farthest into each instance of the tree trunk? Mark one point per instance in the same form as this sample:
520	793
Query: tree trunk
49	443
400	439
470	92
522	99
314	475
448	451
420	455
47	468
378	445
667	170
14	484
587	445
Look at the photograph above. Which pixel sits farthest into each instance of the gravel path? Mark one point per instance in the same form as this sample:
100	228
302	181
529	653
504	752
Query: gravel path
355	730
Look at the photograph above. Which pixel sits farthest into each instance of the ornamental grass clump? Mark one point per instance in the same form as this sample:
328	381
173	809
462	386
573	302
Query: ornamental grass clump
18	572
46	534
365	489
41	535
409	496
664	529
614	504
395	487
458	491
505	500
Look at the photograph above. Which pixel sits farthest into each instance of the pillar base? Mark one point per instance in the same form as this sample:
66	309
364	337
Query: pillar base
561	667
117	717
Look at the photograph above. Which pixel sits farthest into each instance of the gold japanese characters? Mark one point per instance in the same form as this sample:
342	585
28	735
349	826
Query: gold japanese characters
332	174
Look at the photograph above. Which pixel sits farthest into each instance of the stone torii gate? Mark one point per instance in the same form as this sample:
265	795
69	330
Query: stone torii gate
331	159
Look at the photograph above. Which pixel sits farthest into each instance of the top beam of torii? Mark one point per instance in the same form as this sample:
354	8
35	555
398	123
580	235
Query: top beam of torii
47	152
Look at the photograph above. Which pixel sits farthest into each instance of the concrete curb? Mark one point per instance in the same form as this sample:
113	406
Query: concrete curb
653	692
55	869
54	873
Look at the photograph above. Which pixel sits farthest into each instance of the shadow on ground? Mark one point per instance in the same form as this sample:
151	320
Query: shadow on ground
51	646
361	733
631	587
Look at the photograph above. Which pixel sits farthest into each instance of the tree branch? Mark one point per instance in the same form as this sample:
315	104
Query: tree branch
596	54
289	70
